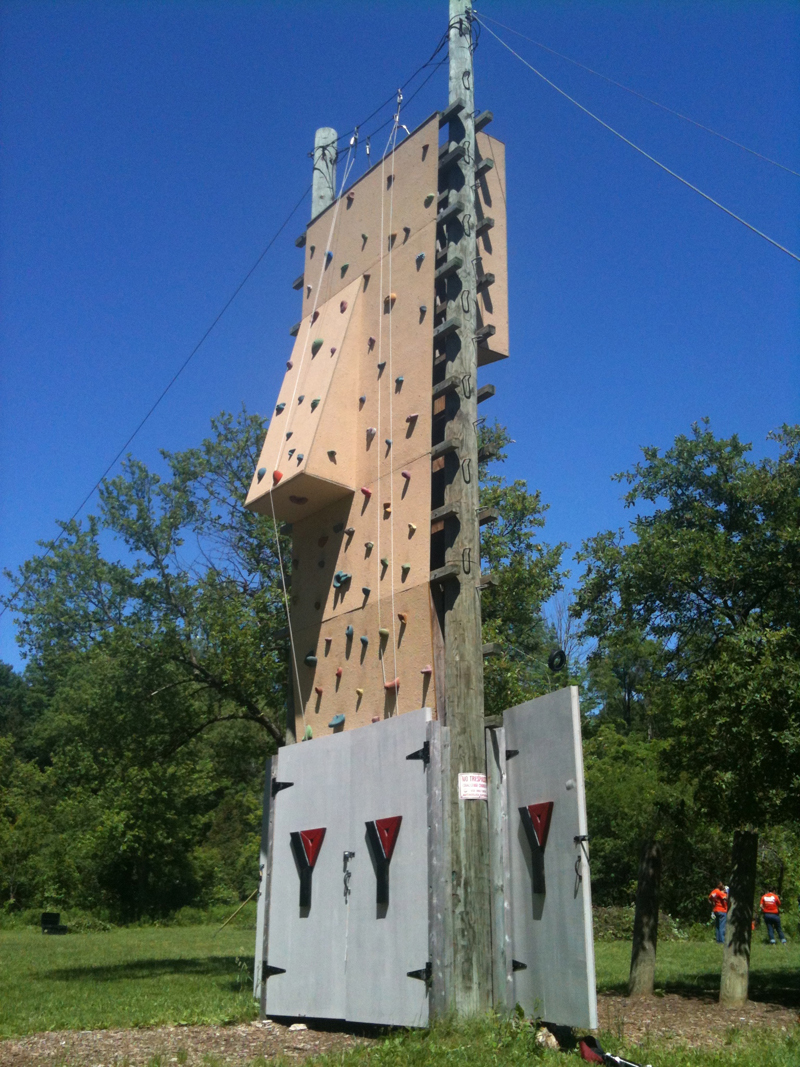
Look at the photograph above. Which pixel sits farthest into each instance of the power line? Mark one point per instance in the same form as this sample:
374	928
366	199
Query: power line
641	96
641	151
162	394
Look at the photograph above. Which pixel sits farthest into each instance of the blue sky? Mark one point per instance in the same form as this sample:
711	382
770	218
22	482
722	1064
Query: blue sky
151	149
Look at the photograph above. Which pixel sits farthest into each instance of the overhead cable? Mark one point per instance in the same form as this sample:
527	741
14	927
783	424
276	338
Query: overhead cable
161	395
635	92
641	151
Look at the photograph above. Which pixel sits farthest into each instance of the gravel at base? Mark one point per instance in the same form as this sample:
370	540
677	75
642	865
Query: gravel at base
234	1045
684	1020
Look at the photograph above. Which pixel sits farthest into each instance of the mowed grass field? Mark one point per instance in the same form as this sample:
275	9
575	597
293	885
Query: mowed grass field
123	978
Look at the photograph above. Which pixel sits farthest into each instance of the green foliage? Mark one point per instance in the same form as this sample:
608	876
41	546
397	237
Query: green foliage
528	573
709	587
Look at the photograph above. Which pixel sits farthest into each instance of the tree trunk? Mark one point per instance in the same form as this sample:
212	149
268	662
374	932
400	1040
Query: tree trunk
736	957
645	923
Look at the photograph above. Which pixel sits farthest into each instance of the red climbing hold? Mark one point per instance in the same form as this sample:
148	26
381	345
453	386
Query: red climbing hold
318	690
541	814
315	316
395	685
411	418
343	306
276	476
406	475
289	364
333	351
388	829
339	672
427	669
367	492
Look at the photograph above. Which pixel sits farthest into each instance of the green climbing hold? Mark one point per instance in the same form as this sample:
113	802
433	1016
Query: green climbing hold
344	268
429	199
383	631
309	734
316	345
315	402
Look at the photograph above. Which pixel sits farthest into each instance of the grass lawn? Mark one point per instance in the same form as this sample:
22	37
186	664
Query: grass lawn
693	968
127	977
149	976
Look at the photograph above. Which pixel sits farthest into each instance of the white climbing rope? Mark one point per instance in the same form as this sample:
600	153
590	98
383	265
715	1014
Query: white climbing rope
391	409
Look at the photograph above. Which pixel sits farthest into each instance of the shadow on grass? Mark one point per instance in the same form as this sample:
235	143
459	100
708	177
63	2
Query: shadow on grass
768	987
207	967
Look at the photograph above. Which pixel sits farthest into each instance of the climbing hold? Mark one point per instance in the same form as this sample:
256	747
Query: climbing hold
350	531
407	231
383	631
411	527
299	457
368	545
351	197
364	237
371	342
289	434
276	476
261	472
332	455
328	642
420	257
339	672
279	408
337	526
322	542
427	669
376	718
308	290
399	379
289	364
340	578
387	508
290	453
362	400
309	734
318	690
423	308
360	692
406	475
301	398
316	345
367	492
388	442
381	366
348	631
412	417
299	499
395	685
312	249
364	640
403	617
371	431
405	568
314	318
429	199
315	402
333	350
310	660
388	301
385	561
328	256
344	268
343	306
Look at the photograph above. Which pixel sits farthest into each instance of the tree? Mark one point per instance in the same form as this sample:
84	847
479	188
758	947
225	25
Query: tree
712	578
195	586
527	572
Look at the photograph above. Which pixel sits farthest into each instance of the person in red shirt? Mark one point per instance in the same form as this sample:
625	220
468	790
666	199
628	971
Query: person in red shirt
771	910
719	904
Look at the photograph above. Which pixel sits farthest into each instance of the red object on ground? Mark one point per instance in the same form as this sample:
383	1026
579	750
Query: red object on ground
591	1051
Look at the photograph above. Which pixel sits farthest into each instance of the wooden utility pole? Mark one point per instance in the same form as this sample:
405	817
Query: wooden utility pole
466	975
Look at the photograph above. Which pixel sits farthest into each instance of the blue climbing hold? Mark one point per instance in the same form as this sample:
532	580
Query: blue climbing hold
337	720
310	660
261	472
279	408
340	578
365	640
348	631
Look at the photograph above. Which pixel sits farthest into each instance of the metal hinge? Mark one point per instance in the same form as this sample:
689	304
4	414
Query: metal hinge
267	971
517	966
424	974
423	753
277	786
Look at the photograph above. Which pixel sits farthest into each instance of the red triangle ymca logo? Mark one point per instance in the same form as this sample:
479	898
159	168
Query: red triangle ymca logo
388	829
538	820
311	841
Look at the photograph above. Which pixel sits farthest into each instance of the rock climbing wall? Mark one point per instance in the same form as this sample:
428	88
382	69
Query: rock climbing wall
347	457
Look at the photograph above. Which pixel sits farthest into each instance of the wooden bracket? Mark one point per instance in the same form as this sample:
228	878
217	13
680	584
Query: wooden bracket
486	392
451	111
298	282
482	120
449	570
488	579
487	515
443	448
449	385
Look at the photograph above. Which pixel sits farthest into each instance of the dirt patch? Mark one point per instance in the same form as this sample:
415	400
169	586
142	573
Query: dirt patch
696	1021
189	1045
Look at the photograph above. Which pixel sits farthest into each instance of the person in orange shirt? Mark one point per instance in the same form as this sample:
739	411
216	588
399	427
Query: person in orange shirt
771	910
719	905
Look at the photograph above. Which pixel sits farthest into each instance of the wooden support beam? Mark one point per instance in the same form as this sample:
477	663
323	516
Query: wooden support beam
486	392
450	112
450	266
486	515
491	649
486	223
487	452
449	385
298	282
484	166
450	211
449	570
454	155
483	120
485	280
446	511
487	580
485	332
443	448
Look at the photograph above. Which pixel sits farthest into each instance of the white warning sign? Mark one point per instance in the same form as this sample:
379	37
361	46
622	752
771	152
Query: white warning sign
472	787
